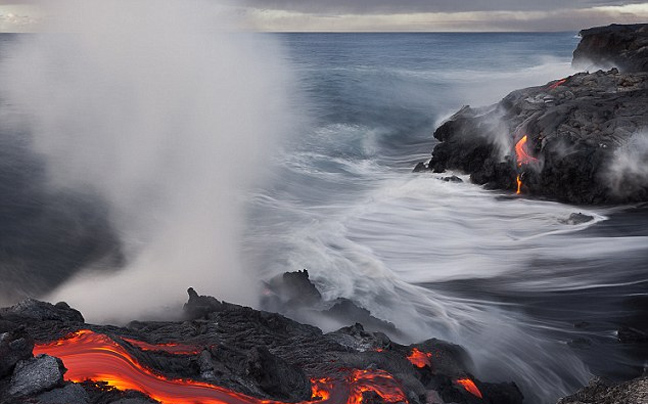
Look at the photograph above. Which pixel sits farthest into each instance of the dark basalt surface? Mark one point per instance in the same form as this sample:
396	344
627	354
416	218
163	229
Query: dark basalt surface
578	128
602	392
258	353
621	46
587	133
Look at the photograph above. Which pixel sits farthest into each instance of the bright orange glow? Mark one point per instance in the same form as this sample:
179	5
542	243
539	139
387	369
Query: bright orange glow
470	387
91	356
173	348
557	84
522	156
519	185
420	359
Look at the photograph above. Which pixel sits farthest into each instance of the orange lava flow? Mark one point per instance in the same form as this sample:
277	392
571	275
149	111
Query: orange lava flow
91	356
470	387
419	358
173	348
522	156
557	84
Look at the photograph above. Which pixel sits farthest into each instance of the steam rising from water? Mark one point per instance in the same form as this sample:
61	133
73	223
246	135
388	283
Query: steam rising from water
628	172
164	111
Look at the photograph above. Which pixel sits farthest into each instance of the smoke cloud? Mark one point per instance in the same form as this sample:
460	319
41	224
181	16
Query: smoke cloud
164	110
628	172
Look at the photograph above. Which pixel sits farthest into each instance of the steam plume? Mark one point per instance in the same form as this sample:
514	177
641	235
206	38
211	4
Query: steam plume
163	110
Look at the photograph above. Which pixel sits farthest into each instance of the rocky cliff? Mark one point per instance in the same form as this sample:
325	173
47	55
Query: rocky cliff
582	139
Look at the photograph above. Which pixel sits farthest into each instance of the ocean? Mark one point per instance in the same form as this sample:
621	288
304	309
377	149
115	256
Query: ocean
533	297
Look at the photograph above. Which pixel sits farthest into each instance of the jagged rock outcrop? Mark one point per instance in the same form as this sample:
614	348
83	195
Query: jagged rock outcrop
586	140
621	46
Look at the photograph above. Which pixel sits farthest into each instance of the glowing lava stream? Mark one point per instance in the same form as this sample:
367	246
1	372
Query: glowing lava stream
470	387
91	356
522	158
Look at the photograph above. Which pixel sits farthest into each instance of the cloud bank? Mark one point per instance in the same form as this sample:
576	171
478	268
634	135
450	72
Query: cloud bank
402	15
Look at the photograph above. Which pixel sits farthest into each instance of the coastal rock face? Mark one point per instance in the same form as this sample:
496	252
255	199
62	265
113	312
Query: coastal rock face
581	140
621	46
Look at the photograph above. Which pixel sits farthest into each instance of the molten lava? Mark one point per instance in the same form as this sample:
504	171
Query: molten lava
522	158
557	84
470	387
520	152
173	348
96	357
419	358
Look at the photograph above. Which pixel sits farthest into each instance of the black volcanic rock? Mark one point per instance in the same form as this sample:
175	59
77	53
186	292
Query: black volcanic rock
579	129
36	375
15	346
621	46
260	354
601	392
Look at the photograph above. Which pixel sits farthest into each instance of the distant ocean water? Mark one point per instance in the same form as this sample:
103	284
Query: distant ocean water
534	299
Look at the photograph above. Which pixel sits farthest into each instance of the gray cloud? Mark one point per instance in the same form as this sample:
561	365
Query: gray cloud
423	6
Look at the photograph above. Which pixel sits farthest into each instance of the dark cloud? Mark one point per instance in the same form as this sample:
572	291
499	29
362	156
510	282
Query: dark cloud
417	6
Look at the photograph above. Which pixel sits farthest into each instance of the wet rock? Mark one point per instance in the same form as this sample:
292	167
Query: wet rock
629	335
600	391
70	394
623	46
453	178
291	290
577	218
35	375
14	347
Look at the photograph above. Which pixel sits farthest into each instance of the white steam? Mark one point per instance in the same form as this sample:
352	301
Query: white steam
628	172
167	112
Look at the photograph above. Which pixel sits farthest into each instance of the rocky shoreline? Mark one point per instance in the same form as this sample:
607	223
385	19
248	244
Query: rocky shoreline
235	353
579	139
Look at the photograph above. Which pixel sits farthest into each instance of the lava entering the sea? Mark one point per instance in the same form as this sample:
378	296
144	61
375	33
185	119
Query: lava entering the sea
523	158
91	356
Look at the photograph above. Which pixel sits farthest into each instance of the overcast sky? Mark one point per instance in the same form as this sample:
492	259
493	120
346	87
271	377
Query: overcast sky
399	15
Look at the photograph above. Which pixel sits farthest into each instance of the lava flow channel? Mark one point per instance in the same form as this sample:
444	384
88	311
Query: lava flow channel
91	356
522	158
